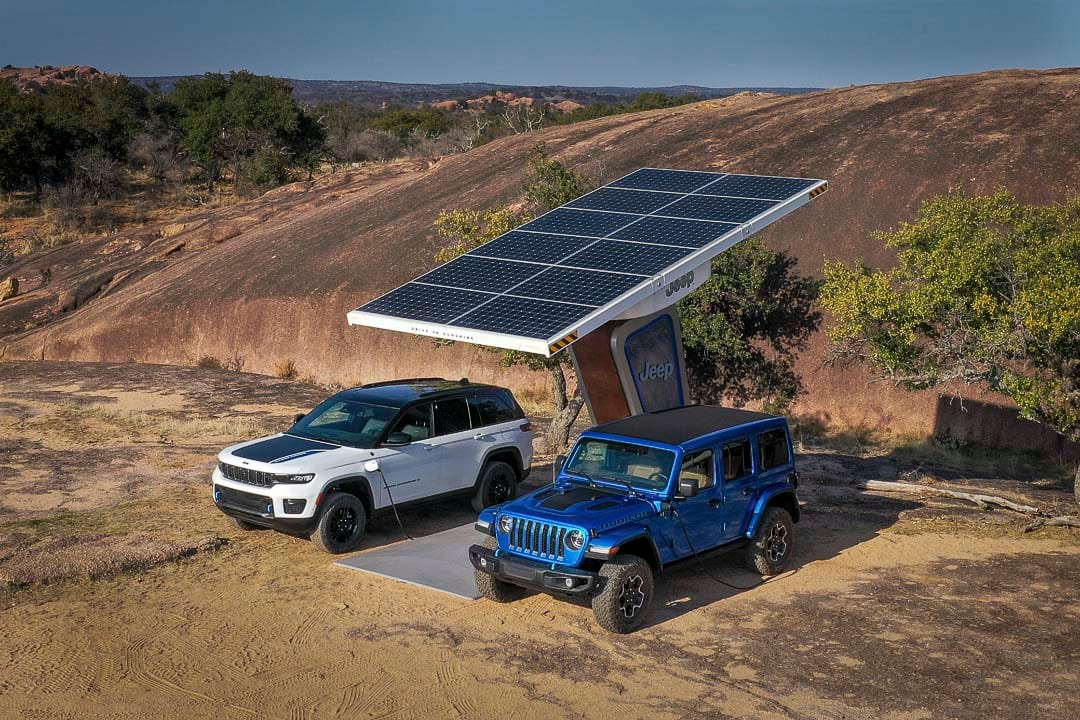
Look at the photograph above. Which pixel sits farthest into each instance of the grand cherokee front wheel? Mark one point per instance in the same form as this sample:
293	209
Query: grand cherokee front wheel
341	526
627	592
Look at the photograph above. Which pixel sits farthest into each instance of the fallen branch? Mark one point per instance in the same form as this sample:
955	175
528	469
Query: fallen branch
983	501
1059	521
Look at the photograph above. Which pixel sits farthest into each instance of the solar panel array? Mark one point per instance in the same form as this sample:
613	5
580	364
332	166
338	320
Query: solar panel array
542	279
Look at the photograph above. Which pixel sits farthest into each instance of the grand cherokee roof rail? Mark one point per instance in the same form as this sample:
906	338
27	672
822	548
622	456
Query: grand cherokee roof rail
403	381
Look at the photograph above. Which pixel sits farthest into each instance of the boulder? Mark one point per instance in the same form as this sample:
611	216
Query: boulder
9	288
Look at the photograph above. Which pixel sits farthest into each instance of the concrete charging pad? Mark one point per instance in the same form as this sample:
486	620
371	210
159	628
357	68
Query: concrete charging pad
439	561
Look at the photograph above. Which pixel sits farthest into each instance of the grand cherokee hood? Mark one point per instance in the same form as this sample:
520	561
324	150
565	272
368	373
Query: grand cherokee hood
290	454
581	505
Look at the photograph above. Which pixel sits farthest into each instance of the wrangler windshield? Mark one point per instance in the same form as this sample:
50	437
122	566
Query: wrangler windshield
606	460
345	422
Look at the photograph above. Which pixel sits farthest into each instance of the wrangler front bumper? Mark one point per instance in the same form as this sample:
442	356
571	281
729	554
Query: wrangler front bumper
533	574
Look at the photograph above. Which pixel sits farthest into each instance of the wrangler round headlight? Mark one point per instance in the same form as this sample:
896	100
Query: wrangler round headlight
506	524
575	540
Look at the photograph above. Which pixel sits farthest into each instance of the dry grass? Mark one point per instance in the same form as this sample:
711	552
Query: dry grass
286	369
535	402
169	427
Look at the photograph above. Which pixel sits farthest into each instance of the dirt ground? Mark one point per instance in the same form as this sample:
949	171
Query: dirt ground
125	594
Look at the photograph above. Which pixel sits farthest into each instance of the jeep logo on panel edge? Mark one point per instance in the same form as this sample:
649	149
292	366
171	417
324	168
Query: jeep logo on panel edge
680	284
657	371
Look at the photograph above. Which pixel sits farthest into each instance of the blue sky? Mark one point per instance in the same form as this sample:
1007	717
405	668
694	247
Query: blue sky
719	43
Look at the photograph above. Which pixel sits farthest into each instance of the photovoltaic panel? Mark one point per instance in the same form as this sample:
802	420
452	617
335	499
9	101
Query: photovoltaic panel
674	231
679	181
477	273
426	303
602	256
708	207
523	316
583	287
565	221
627	257
756	186
639	202
532	247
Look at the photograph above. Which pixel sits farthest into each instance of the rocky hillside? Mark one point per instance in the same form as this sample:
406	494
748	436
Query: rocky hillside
272	279
39	76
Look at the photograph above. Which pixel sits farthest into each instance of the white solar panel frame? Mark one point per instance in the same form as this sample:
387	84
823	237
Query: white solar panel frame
622	303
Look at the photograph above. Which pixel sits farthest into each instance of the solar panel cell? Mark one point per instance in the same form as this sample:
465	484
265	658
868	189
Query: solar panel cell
756	186
477	273
532	247
565	221
707	207
523	316
627	257
672	231
680	181
628	201
585	287
425	303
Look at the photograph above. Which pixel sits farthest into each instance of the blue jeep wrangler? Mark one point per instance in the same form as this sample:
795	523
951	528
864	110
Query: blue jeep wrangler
640	493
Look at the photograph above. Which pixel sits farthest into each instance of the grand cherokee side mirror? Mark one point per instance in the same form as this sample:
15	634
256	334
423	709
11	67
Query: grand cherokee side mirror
557	466
298	417
687	488
397	439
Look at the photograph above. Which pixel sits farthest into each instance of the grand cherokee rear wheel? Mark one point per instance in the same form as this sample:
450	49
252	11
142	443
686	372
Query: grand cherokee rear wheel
341	527
491	587
621	604
498	483
772	549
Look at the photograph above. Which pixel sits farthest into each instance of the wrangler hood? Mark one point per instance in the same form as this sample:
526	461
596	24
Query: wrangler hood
581	505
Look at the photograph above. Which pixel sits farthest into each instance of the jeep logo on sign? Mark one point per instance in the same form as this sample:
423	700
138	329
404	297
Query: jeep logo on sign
657	371
683	282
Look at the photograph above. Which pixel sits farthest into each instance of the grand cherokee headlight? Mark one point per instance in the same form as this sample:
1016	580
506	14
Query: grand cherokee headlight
296	478
506	524
575	540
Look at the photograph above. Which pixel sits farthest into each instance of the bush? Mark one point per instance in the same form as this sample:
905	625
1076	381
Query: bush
286	369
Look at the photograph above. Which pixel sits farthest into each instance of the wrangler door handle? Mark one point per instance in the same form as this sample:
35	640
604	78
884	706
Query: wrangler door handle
747	491
714	503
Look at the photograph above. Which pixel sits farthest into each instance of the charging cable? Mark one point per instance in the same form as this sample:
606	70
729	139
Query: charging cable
397	517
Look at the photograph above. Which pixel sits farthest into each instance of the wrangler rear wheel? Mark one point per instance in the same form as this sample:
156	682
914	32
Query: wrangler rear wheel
772	548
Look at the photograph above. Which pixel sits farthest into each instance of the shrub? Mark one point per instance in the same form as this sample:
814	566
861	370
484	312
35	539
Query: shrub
286	369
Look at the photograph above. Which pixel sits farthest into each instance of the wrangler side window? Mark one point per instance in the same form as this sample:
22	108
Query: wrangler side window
699	466
774	449
736	459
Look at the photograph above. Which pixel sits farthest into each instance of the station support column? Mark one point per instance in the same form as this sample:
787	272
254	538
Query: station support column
631	366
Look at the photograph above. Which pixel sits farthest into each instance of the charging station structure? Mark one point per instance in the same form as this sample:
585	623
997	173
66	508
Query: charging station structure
599	277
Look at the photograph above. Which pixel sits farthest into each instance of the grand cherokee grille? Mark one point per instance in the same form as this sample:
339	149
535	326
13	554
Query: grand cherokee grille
537	538
247	475
248	502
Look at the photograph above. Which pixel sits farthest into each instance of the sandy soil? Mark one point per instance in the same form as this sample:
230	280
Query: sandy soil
897	609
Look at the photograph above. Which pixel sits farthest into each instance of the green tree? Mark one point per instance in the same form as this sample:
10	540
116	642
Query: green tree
28	149
986	292
247	124
549	185
743	328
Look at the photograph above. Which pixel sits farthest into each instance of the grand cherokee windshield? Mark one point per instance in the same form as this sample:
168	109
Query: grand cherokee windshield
606	460
345	422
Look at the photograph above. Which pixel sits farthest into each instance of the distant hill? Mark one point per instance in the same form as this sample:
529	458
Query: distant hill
374	93
272	278
28	78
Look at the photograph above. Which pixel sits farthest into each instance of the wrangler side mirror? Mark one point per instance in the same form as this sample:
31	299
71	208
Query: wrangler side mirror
687	488
557	466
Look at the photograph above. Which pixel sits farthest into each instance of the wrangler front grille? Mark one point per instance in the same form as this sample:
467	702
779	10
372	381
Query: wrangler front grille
247	475
537	538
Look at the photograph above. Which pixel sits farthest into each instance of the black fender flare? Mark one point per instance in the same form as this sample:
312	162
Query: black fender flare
358	485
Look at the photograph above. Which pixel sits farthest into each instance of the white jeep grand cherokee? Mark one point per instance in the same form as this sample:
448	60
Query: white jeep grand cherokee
375	447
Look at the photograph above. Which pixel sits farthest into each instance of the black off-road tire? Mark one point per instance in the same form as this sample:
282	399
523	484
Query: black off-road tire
772	549
623	602
245	525
497	484
491	587
341	526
